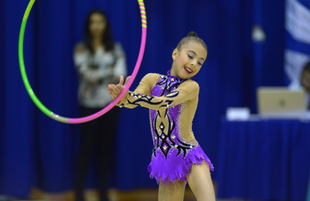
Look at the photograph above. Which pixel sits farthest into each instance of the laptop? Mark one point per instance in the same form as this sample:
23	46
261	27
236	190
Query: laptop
281	102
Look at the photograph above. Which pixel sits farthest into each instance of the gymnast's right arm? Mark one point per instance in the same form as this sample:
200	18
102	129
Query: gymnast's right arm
145	86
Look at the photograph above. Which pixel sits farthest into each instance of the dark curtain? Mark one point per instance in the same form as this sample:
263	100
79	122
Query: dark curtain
38	151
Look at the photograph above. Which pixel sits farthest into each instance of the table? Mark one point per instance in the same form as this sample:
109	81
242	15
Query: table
264	159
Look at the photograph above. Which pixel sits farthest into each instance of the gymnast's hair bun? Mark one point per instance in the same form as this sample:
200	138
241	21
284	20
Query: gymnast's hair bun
192	33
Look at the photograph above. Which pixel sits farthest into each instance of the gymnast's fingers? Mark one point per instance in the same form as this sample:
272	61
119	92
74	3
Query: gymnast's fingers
121	80
115	93
118	89
127	79
112	95
111	87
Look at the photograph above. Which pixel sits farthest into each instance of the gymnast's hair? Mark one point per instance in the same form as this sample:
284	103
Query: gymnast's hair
191	36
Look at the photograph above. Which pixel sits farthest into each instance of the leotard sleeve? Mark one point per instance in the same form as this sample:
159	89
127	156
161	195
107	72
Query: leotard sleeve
141	96
145	87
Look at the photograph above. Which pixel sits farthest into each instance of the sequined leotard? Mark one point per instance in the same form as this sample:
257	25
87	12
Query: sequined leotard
172	102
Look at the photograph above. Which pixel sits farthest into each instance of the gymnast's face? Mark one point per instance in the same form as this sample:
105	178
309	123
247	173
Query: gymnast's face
188	60
305	80
97	25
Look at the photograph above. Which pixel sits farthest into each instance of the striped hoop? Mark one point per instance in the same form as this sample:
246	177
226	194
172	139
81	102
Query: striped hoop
57	117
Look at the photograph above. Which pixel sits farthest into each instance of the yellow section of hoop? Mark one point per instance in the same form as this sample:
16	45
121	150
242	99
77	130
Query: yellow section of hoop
27	12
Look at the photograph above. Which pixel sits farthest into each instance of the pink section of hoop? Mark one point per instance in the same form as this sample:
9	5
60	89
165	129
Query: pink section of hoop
114	102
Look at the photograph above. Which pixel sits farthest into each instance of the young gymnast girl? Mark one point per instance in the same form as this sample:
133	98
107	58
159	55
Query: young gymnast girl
172	99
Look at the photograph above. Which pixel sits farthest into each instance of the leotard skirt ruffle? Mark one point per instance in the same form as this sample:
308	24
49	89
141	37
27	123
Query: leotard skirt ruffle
175	167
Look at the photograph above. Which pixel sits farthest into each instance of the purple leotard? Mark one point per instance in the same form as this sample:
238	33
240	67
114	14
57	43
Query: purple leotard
172	102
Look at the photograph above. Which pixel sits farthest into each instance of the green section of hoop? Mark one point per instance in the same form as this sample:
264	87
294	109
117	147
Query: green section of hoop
22	63
37	101
28	9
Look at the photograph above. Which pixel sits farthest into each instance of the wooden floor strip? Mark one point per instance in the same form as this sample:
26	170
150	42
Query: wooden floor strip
114	195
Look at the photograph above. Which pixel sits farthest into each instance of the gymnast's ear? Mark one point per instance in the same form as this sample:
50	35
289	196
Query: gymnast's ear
174	54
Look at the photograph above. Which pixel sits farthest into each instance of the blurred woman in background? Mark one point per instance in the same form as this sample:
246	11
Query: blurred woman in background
99	61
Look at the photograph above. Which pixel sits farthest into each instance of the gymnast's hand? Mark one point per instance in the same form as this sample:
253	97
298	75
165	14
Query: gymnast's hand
115	90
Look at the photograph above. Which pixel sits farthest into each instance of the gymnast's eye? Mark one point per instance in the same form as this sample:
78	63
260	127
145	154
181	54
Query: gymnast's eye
190	56
200	62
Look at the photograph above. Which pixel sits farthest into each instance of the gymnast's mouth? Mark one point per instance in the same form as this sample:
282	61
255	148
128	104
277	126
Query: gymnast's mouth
188	70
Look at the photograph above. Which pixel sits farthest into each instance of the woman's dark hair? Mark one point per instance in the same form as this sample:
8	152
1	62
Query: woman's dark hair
191	36
107	38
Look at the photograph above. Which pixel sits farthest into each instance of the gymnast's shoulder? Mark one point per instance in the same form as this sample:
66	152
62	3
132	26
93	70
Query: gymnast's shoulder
151	77
190	85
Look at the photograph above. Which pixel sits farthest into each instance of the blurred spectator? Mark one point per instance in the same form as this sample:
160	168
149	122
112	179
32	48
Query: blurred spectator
303	83
99	61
